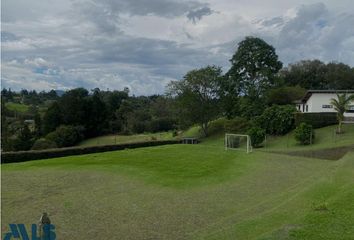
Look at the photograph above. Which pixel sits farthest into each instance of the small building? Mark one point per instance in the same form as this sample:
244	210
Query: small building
319	101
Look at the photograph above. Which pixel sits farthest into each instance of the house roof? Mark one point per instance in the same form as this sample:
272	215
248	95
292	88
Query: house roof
310	92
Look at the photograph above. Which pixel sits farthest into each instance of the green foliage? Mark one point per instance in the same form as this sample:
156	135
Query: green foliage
66	135
52	118
257	135
304	134
43	143
314	74
285	95
254	66
24	140
17	107
251	107
22	156
236	125
198	96
277	120
161	125
317	120
341	105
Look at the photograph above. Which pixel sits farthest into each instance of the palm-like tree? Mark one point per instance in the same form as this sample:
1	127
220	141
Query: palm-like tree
341	105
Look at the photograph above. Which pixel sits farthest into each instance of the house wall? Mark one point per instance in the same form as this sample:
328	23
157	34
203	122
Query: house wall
317	101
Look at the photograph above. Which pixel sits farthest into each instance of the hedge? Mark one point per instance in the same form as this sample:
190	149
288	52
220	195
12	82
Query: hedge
22	156
317	120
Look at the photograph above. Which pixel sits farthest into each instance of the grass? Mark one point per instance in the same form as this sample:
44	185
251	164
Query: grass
116	139
185	192
17	107
324	138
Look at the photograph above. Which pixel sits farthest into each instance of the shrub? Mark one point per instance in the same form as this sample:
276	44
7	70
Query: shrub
257	135
216	126
317	120
65	136
236	125
277	120
304	134
43	143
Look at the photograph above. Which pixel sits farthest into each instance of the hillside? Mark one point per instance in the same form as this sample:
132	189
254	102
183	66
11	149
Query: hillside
187	192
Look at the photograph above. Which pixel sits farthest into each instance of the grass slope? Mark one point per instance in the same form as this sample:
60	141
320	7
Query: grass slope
324	138
184	192
17	107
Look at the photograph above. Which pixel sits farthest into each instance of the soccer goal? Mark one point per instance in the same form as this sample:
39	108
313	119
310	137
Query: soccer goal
238	142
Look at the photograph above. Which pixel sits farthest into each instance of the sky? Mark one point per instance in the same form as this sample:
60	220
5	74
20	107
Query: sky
145	44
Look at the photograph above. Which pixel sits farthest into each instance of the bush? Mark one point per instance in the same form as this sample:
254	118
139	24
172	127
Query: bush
66	136
216	126
43	143
236	125
257	135
317	120
277	120
304	134
9	157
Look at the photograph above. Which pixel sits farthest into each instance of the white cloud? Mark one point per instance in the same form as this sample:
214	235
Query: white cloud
112	44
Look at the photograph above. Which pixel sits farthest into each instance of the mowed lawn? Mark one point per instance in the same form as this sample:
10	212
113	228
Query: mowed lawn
184	192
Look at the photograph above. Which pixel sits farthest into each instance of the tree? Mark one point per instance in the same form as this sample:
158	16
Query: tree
309	74
74	103
52	118
254	66
341	105
96	119
66	136
24	139
257	135
277	120
285	95
197	96
304	134
314	74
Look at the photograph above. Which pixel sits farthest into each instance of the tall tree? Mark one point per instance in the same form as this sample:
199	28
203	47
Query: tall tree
341	105
96	120
52	118
198	95
254	66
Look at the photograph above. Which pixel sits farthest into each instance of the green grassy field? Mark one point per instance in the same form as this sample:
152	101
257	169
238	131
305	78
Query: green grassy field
17	107
116	139
186	192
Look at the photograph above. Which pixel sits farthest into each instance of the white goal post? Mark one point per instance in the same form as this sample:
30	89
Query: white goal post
238	142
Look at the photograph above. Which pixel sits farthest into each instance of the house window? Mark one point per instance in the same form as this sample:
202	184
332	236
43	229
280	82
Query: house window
307	108
351	109
327	106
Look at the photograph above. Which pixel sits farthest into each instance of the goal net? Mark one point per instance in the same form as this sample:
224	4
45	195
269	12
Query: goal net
238	142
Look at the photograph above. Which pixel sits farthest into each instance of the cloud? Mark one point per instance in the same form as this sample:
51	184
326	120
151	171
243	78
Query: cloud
195	15
145	44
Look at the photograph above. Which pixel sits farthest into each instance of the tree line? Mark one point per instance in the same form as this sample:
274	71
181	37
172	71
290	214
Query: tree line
255	81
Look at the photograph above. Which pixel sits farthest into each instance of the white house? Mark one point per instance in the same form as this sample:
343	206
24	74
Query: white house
316	101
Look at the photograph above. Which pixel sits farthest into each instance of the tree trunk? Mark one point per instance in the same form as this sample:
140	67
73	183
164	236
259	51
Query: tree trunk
340	127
